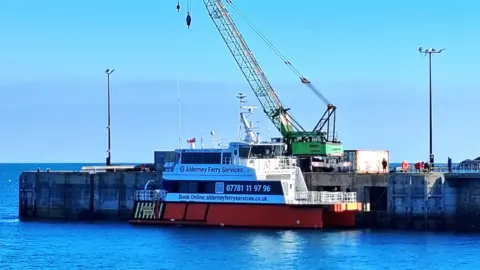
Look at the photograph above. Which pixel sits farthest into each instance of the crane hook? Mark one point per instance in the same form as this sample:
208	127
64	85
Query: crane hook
178	6
189	20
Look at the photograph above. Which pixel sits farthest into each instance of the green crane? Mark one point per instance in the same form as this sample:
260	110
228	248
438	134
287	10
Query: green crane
321	140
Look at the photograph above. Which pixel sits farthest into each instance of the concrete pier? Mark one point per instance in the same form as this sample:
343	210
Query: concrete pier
109	195
465	191
371	189
434	201
397	200
80	195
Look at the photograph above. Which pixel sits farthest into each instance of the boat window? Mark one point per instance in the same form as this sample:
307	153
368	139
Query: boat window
193	187
227	158
244	152
266	151
183	187
202	187
171	186
201	158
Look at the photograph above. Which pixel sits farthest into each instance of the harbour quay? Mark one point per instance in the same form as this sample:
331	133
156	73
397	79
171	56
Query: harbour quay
434	200
109	195
401	200
94	194
68	195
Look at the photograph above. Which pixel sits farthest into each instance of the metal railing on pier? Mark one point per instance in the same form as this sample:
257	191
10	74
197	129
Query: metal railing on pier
456	168
323	197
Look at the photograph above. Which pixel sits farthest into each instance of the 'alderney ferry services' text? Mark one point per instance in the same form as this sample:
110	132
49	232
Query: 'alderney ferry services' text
217	170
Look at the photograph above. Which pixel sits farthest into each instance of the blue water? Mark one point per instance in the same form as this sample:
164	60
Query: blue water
36	245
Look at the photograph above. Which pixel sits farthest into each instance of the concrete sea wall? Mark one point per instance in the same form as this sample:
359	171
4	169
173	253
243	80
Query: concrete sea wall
434	201
420	200
80	195
109	195
467	197
397	200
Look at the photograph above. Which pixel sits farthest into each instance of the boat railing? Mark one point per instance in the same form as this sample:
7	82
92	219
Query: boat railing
150	195
286	163
95	169
324	197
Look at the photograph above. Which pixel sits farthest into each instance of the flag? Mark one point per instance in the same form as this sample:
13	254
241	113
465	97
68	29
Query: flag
192	140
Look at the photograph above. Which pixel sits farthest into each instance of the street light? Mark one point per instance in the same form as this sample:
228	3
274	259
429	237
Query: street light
109	149
430	51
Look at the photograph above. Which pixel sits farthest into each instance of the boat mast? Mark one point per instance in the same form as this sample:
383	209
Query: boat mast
241	97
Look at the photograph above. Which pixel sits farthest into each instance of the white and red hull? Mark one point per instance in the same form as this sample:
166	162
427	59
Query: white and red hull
245	215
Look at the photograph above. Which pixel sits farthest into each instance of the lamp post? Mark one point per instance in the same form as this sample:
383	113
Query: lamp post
429	52
109	149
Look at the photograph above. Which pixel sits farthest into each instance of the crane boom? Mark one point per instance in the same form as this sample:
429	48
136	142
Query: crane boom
250	68
328	118
300	141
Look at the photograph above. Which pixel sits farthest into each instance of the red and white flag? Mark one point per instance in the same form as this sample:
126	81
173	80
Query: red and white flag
192	140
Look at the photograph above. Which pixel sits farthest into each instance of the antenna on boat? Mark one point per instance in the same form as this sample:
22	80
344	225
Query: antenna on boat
241	97
257	128
178	105
212	133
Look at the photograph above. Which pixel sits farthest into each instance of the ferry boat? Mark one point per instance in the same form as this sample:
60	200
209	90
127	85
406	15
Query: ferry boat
247	183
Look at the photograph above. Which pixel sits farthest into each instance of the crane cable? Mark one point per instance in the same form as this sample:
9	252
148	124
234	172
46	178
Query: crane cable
278	53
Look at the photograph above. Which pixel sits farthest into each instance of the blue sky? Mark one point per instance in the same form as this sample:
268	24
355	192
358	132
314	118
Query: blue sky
362	55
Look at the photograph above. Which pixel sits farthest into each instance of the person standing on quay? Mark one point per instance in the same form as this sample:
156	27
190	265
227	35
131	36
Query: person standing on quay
449	165
384	165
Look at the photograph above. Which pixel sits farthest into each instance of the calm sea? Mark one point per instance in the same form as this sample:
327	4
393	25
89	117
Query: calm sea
36	245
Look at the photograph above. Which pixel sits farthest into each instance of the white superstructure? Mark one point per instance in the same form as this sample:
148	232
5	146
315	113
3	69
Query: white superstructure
248	161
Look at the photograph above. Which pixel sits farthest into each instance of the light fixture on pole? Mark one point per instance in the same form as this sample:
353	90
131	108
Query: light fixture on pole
429	52
109	146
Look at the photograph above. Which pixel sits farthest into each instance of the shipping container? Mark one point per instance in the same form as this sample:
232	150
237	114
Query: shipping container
367	161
